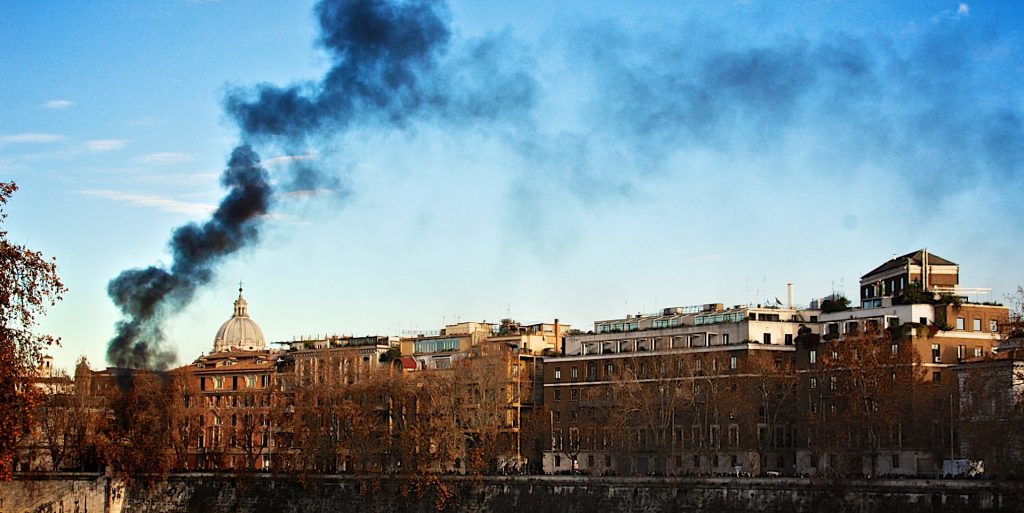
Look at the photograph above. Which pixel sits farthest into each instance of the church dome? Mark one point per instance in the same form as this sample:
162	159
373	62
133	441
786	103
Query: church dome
239	332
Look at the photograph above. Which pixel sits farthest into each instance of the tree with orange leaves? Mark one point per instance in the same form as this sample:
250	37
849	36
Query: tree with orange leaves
28	285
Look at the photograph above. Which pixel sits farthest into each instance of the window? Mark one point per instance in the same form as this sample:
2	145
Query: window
574	394
977	352
609	369
813	383
732	362
250	382
895	460
961	353
734	435
923	321
936	356
558	395
812	356
558	461
789	339
575	372
993	326
960	323
437	345
265	380
895	348
218	382
976	324
558	373
936	377
556	416
725	338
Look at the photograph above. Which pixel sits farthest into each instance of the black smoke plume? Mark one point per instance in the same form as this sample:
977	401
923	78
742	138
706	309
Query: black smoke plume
145	296
391	66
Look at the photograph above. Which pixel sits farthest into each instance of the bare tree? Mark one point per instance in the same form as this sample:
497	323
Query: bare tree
769	386
867	392
991	414
186	411
137	437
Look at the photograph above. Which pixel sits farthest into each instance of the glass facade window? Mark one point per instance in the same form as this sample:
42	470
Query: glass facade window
437	345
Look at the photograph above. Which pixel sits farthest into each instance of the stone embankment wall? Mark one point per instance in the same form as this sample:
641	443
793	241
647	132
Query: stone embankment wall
535	494
62	493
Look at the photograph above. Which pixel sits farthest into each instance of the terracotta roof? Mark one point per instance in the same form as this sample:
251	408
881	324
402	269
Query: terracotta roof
915	257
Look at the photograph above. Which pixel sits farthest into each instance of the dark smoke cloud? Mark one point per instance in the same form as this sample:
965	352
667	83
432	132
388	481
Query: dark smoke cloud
145	296
392	63
391	66
921	108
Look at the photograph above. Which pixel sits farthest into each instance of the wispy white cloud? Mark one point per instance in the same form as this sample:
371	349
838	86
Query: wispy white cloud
308	193
164	158
30	137
285	159
106	144
144	122
962	11
58	104
152	201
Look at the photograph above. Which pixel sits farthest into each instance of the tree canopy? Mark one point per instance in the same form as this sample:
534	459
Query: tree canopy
28	286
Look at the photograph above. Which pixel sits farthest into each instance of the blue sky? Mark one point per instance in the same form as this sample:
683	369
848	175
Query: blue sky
659	154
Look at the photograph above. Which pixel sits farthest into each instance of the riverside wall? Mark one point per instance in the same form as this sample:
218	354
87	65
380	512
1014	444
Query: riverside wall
262	493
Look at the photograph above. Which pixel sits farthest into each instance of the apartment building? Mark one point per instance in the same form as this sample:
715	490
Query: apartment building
689	367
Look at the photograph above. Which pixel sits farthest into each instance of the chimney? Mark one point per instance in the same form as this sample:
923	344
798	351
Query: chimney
558	338
789	296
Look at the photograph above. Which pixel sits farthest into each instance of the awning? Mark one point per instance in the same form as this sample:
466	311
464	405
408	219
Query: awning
409	364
